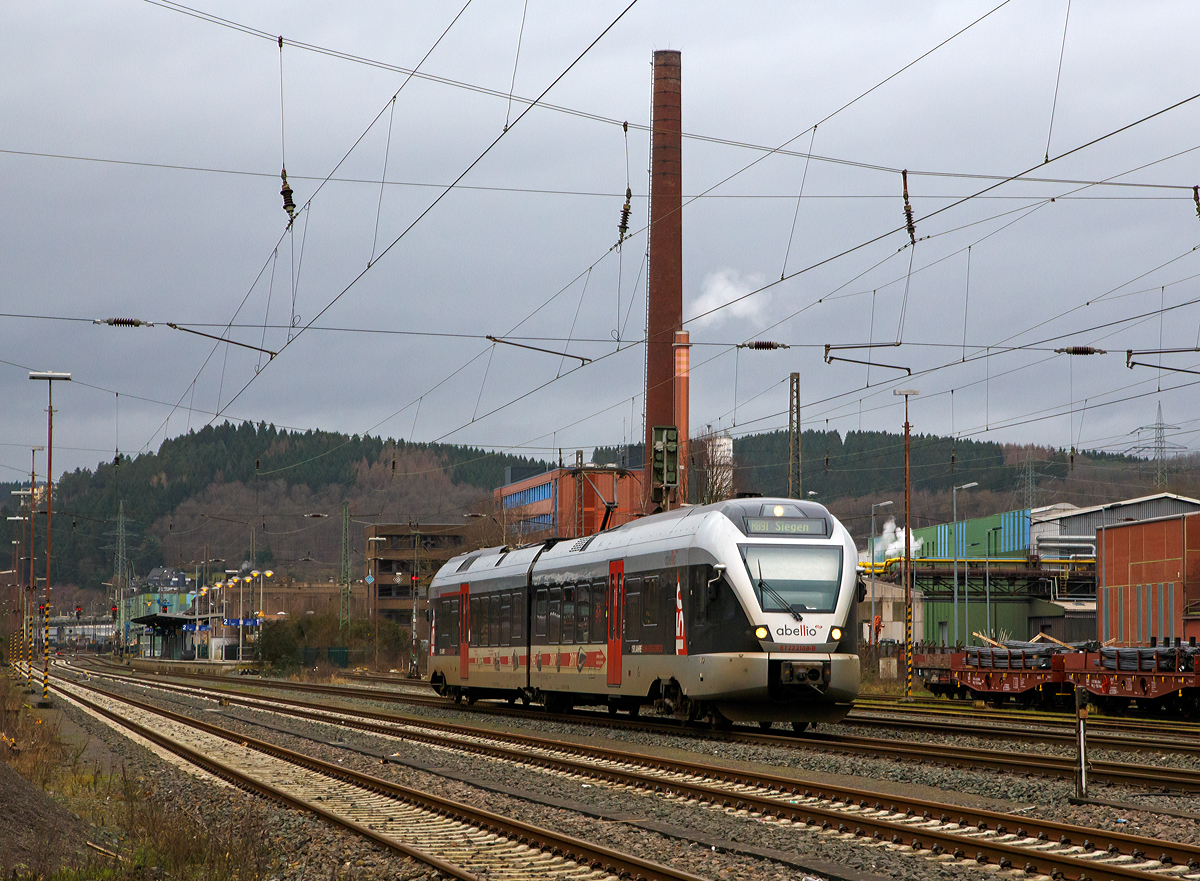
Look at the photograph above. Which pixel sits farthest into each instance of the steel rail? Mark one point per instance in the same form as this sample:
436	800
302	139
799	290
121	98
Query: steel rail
1034	855
561	845
1122	773
979	818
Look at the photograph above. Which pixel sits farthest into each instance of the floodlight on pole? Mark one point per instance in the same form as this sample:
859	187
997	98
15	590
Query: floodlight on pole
954	541
872	624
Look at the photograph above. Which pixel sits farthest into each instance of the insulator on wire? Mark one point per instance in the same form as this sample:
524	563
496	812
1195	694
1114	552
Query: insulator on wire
1196	199
908	211
288	205
1072	468
623	226
123	322
763	345
1080	350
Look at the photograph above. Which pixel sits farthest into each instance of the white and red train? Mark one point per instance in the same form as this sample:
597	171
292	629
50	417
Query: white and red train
738	611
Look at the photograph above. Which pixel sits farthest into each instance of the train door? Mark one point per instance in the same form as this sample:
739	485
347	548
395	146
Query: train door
616	606
464	630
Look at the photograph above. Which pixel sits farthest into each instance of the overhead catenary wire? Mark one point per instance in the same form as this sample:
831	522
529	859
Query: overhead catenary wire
337	297
1058	79
516	59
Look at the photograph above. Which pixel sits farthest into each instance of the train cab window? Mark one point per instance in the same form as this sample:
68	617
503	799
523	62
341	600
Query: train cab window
583	614
698	592
568	615
473	627
650	602
633	610
554	618
540	613
494	620
455	639
505	619
518	618
600	609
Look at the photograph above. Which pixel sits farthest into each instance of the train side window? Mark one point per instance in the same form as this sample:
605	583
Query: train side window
633	609
506	619
494	620
540	613
518	618
482	638
568	616
455	639
650	602
600	609
473	622
583	611
554	630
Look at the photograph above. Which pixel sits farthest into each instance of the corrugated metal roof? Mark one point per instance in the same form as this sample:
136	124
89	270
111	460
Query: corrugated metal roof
1086	521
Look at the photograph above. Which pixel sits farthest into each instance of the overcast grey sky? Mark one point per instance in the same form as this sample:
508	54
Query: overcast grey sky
524	246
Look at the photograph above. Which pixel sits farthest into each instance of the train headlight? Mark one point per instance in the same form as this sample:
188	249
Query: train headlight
835	633
762	632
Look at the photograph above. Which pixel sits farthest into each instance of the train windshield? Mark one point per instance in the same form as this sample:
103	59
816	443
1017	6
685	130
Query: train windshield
804	578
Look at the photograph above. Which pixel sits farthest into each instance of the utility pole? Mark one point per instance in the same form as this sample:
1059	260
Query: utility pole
794	469
121	574
908	579
344	603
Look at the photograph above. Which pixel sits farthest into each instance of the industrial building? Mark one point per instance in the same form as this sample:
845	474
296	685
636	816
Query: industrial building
1025	572
1149	591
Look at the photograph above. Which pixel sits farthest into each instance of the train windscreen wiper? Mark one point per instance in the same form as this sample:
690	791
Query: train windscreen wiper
775	595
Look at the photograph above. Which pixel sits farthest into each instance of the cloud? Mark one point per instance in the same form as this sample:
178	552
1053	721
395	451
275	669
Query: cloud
725	286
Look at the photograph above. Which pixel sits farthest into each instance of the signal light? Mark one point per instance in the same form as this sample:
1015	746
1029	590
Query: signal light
414	578
78	612
114	613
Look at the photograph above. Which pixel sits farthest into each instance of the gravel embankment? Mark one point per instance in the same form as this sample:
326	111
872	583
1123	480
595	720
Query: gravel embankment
635	822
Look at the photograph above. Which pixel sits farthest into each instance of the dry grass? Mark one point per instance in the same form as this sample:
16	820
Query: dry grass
160	839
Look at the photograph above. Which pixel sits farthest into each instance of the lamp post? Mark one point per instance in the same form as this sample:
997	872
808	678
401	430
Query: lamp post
908	610
967	591
871	626
49	378
987	580
954	541
221	611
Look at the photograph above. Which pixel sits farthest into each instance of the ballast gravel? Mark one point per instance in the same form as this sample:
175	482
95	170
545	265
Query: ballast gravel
309	849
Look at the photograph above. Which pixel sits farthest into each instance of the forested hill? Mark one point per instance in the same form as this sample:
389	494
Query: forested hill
205	487
255	493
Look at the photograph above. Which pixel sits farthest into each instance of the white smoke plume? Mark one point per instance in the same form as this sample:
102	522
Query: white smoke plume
890	542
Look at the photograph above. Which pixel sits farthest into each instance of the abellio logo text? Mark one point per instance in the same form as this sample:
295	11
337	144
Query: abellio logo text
798	630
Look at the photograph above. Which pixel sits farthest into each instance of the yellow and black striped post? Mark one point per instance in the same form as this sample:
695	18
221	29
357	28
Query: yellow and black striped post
46	655
29	650
908	649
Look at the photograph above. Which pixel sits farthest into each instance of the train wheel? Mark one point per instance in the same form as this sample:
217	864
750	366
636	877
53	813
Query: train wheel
764	726
471	699
799	727
456	695
612	708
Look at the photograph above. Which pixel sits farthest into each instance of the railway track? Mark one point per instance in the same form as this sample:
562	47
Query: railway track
456	839
1001	760
929	829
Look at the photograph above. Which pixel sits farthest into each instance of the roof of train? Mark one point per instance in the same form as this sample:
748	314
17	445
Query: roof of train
647	528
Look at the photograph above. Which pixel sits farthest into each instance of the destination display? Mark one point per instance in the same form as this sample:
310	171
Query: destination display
797	526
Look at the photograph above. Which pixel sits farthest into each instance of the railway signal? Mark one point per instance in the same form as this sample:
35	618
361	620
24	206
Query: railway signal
664	464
